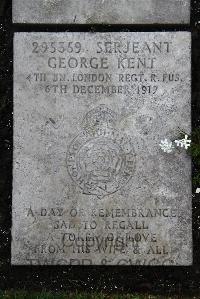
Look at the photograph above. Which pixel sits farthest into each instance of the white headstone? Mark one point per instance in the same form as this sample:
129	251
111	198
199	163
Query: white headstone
101	11
91	183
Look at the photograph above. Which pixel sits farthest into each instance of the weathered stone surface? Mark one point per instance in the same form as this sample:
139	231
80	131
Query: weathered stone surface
101	11
91	184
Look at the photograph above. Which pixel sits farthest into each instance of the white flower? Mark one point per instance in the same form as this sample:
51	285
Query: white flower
183	142
166	145
198	190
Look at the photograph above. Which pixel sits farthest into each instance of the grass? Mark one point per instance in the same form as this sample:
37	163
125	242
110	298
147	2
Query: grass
44	295
47	295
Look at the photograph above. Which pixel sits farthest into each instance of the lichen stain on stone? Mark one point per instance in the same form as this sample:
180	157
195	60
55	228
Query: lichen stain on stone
52	3
108	19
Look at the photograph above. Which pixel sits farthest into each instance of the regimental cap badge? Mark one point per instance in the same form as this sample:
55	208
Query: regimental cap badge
101	159
99	117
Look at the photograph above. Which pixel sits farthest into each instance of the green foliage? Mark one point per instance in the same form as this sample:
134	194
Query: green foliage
47	295
194	152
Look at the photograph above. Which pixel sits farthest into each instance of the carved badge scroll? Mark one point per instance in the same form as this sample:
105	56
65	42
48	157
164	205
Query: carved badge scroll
101	159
